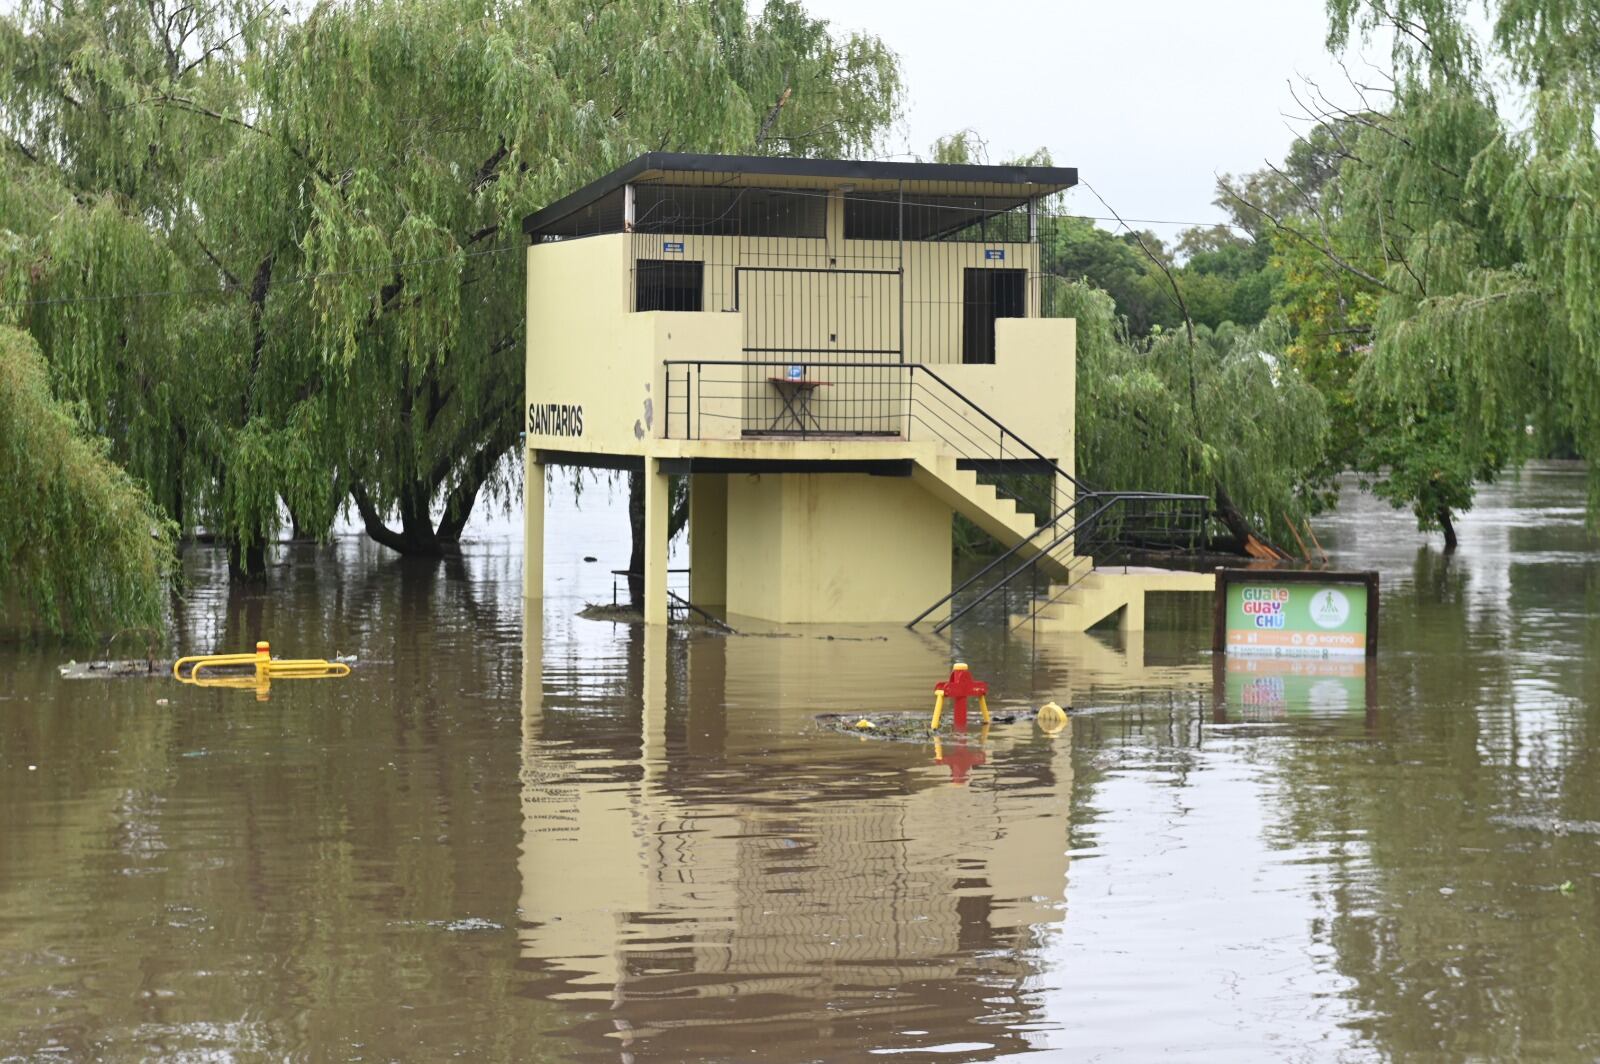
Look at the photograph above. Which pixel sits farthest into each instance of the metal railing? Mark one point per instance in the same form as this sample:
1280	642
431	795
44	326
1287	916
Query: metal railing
1105	526
911	401
737	399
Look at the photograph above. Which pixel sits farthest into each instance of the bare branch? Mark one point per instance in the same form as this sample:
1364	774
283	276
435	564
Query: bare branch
1323	248
772	115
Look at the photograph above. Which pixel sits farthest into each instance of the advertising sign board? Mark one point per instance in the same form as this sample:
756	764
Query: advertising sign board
1296	614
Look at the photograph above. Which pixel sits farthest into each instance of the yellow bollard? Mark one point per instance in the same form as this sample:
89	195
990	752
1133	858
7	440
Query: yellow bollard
1051	718
983	706
263	660
938	709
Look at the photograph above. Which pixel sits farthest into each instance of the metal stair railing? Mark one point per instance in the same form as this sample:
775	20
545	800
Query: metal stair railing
1001	559
1100	533
1113	531
1073	537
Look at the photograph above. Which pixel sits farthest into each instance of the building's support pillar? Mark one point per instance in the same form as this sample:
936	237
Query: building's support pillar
657	507
533	531
1132	617
708	539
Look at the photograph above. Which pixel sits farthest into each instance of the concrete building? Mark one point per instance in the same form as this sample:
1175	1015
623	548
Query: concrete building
833	353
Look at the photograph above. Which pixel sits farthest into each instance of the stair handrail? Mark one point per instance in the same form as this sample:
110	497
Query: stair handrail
956	615
1111	499
999	558
1110	496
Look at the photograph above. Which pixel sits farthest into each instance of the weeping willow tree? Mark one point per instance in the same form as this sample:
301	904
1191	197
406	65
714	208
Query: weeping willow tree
277	255
1478	237
1221	412
83	550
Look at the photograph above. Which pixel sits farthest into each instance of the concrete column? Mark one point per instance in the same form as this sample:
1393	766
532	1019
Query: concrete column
533	531
1132	617
708	539
657	506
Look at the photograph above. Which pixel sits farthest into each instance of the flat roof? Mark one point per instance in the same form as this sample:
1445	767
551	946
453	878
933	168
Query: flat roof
734	171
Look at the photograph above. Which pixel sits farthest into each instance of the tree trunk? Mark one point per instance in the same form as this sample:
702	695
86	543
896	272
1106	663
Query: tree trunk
677	518
248	566
415	538
1253	545
298	533
636	553
1449	529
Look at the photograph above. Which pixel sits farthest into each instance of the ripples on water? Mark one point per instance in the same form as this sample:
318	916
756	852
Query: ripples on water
639	847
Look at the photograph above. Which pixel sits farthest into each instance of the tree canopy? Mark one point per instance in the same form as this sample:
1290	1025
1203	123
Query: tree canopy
1465	239
83	550
275	255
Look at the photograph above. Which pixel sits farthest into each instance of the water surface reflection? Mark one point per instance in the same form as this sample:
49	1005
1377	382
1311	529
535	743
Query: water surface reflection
567	839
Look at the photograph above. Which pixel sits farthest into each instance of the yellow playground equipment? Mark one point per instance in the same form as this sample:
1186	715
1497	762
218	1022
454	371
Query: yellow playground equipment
229	670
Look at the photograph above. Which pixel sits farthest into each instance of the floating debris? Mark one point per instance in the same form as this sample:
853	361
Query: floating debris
911	726
471	923
1549	825
136	668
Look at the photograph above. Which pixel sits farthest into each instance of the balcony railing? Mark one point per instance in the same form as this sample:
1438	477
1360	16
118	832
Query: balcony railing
720	399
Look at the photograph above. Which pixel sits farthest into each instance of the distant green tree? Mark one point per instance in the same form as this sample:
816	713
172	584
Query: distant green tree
83	550
1076	249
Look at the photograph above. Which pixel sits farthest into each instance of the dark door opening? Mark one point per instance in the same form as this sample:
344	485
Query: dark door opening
987	295
668	284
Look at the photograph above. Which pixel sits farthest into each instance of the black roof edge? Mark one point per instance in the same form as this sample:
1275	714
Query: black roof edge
784	166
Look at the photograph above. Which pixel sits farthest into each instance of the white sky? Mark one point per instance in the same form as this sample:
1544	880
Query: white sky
1149	99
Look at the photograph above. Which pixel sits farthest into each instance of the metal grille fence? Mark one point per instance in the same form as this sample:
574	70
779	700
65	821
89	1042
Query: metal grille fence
834	274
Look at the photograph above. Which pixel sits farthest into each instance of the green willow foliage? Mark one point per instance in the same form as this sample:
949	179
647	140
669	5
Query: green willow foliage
323	209
1162	415
83	549
1486	236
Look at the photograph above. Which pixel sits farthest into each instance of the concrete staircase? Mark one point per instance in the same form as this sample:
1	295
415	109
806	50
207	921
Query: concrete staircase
1093	595
939	475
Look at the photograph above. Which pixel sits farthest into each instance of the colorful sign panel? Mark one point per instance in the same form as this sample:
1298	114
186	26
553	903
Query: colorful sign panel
1296	614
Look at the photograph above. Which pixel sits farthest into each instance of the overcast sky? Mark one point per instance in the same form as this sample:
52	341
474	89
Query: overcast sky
1149	99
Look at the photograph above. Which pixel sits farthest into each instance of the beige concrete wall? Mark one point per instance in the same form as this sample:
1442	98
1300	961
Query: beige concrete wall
708	539
580	343
1031	388
586	346
808	548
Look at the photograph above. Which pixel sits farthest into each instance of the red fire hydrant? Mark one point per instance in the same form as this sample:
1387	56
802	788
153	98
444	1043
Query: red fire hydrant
960	687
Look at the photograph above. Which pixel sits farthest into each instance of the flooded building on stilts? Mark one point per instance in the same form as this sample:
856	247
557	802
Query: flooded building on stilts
840	357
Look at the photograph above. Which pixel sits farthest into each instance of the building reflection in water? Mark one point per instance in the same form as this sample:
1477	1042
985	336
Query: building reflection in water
706	871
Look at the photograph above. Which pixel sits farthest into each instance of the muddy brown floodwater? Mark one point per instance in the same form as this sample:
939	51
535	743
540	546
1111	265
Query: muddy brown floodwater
575	840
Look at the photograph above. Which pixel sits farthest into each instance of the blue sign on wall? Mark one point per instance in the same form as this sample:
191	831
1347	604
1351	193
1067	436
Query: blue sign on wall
994	254
672	245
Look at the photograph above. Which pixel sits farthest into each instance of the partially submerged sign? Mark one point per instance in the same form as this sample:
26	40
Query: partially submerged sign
1296	614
